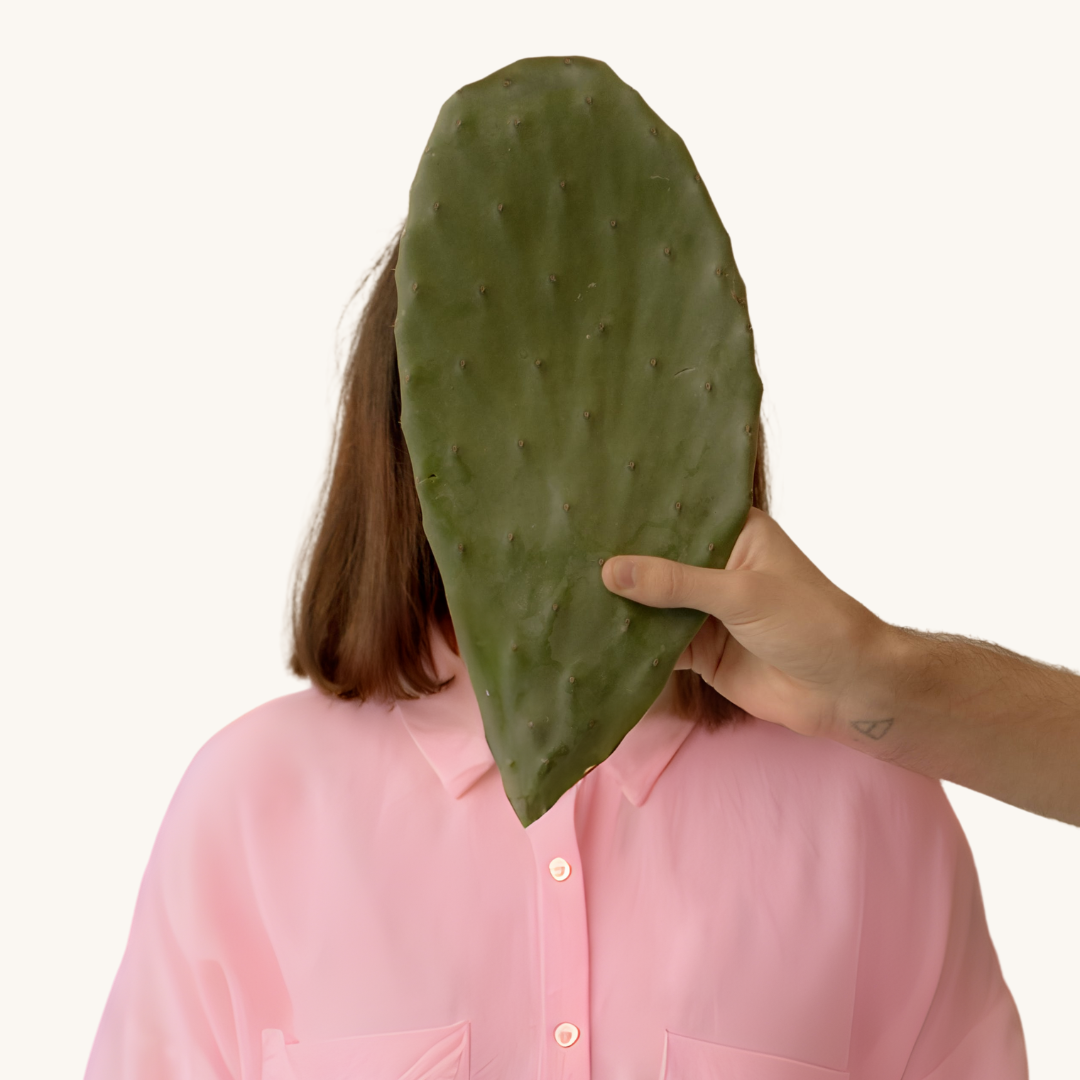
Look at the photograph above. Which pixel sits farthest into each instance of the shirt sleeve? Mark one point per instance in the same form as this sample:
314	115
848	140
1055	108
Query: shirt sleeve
972	1027
198	980
931	1002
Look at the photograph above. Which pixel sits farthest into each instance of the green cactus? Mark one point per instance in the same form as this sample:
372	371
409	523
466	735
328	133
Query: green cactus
577	381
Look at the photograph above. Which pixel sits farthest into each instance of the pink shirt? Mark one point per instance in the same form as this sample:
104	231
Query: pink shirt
342	892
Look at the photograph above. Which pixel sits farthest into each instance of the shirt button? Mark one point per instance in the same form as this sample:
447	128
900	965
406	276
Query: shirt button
560	871
566	1034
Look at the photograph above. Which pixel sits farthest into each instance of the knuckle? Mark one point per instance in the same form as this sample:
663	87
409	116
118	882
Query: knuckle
671	582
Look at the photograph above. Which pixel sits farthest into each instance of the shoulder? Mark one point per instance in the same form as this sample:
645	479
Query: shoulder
289	730
283	758
829	786
805	759
861	831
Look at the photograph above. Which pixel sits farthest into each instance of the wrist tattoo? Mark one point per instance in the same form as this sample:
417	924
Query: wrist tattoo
872	729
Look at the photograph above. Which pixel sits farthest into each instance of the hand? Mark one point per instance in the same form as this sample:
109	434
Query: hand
781	641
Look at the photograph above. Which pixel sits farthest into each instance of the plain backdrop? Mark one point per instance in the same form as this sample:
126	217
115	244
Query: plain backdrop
189	195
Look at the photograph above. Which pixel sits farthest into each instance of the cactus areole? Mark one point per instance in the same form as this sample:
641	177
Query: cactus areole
577	379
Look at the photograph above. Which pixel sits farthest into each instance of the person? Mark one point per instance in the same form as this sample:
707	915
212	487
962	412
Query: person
784	643
340	887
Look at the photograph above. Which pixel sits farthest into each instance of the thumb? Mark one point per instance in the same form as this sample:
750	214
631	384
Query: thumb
664	583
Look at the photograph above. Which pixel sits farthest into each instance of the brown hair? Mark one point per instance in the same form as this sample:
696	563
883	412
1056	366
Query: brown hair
367	585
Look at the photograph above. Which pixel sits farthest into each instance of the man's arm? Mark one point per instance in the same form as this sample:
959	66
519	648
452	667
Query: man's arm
785	644
976	714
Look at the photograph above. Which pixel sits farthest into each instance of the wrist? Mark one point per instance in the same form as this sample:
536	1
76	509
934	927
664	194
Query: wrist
889	659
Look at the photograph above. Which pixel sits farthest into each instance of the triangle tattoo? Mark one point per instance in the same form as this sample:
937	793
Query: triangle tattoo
872	729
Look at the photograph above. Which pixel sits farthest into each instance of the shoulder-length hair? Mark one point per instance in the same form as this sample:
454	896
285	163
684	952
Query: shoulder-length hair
367	587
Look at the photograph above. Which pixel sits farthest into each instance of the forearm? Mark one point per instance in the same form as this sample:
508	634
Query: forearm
973	713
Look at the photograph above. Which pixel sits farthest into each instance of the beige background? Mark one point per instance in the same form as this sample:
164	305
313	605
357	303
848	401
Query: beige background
189	194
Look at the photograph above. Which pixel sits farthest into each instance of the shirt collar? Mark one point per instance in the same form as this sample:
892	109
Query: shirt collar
449	731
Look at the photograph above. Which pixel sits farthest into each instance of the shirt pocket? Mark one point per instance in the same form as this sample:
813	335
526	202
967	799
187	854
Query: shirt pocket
431	1054
695	1059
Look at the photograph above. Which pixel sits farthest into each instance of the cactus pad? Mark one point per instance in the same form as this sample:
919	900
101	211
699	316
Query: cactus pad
577	378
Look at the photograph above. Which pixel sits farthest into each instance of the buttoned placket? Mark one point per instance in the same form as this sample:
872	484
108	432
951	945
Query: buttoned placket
564	943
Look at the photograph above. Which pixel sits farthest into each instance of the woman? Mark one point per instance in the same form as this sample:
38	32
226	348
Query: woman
340	888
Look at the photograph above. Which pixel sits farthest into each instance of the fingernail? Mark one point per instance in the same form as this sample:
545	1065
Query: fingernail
624	573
